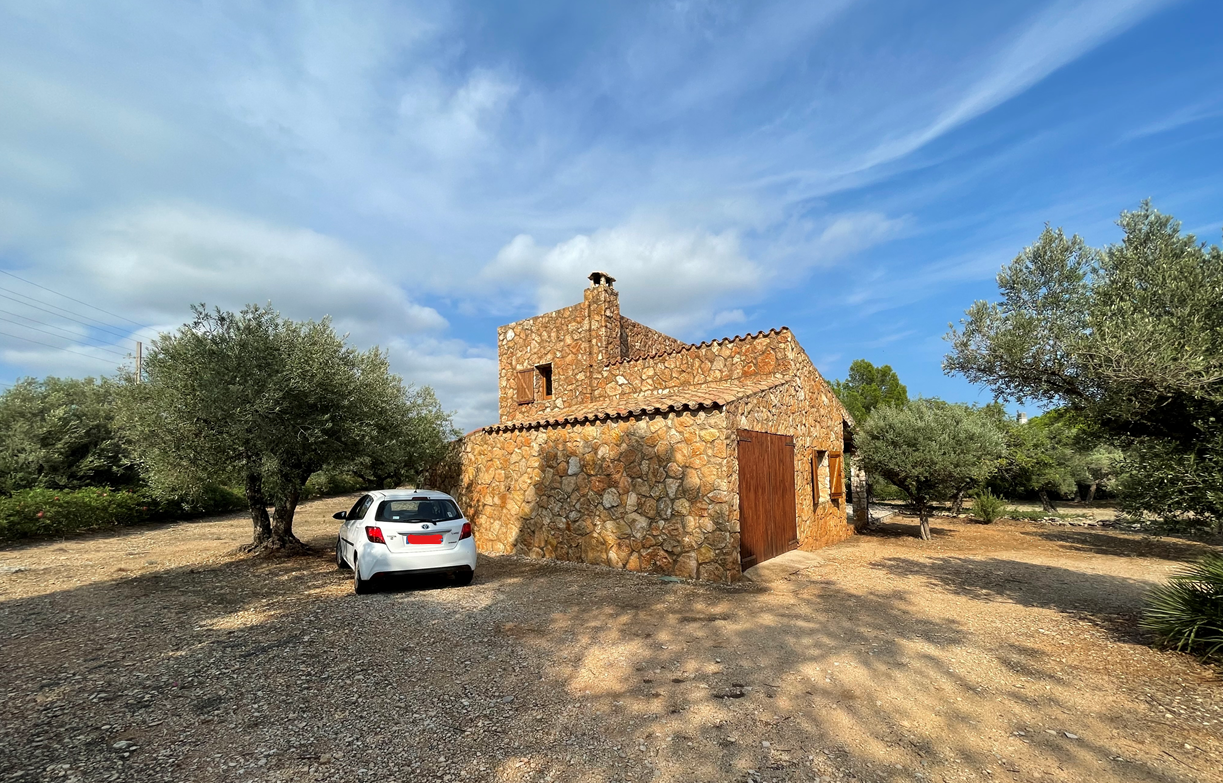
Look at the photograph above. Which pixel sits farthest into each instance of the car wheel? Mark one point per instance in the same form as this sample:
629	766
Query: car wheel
463	578
359	586
340	562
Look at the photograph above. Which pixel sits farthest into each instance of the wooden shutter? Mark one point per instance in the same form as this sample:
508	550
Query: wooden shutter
526	386
836	476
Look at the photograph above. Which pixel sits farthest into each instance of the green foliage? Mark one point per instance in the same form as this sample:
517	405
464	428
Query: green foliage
869	387
1186	614
1040	459
60	433
327	483
986	506
929	449
1128	338
1184	490
49	512
416	436
260	400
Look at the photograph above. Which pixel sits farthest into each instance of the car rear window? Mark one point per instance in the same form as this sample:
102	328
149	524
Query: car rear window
427	510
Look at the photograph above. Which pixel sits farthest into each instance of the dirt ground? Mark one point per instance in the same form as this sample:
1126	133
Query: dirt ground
1004	652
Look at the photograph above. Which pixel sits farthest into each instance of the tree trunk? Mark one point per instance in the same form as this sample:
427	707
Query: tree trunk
957	503
282	520
1091	492
1046	503
258	504
925	524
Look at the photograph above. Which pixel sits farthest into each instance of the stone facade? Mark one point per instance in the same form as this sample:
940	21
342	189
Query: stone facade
632	460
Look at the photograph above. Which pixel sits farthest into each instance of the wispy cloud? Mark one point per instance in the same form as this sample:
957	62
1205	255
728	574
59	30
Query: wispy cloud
398	166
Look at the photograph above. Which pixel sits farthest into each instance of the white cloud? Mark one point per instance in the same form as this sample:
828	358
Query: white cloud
729	317
1058	35
158	260
670	279
465	378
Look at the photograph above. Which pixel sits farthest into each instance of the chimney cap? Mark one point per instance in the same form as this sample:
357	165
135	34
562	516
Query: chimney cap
601	278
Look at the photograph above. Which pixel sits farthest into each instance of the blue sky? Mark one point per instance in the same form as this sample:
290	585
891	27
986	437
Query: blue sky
857	171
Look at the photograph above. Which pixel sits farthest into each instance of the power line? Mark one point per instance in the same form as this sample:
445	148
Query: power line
56	347
68	332
78	301
61	315
53	334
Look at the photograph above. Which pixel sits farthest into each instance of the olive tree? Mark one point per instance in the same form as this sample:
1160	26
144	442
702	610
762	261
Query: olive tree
929	449
264	401
1129	338
60	433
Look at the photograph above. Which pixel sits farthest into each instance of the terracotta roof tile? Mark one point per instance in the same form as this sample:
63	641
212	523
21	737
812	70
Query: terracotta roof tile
687	398
706	344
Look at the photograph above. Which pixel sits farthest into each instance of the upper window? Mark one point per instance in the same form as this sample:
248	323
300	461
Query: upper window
439	510
545	379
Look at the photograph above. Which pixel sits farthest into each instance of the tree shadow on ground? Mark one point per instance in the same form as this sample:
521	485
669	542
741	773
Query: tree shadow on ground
1113	601
539	671
1123	545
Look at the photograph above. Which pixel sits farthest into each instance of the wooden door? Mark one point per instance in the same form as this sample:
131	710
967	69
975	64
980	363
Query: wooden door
767	523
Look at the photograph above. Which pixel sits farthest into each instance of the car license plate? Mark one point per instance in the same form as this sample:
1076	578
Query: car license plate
424	538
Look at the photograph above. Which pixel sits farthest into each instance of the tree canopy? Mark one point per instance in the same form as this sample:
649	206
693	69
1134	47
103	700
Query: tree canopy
1131	335
60	433
266	401
929	449
867	387
1129	338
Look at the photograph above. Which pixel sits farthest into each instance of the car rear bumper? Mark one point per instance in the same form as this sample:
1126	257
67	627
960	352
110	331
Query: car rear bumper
375	560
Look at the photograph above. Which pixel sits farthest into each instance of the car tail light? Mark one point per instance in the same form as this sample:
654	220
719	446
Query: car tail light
374	534
466	531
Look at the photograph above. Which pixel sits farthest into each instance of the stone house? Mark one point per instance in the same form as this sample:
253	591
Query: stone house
622	446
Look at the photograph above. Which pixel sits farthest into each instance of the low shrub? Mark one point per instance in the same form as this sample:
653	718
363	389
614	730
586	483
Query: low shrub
326	484
51	512
986	506
1186	614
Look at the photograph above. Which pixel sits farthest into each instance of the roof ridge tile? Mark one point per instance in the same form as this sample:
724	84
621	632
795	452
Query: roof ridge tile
705	344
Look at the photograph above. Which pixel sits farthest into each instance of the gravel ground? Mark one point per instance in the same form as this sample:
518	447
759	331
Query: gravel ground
1006	652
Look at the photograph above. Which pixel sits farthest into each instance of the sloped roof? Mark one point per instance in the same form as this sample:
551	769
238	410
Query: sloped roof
698	346
687	398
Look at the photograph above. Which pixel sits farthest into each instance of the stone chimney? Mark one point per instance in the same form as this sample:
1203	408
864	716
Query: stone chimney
602	321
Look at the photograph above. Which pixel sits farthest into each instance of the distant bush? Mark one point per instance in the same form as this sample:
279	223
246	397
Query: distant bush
986	506
1186	614
49	512
327	484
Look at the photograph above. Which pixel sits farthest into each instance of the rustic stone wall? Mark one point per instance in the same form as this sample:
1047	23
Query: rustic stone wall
803	407
574	340
646	494
637	340
766	353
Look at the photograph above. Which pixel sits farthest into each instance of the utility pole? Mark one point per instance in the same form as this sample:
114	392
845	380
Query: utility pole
139	359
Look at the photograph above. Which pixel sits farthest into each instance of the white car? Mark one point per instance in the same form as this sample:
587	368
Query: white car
401	531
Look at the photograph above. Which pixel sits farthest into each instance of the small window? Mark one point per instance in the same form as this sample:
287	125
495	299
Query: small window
816	461
545	379
836	476
526	386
